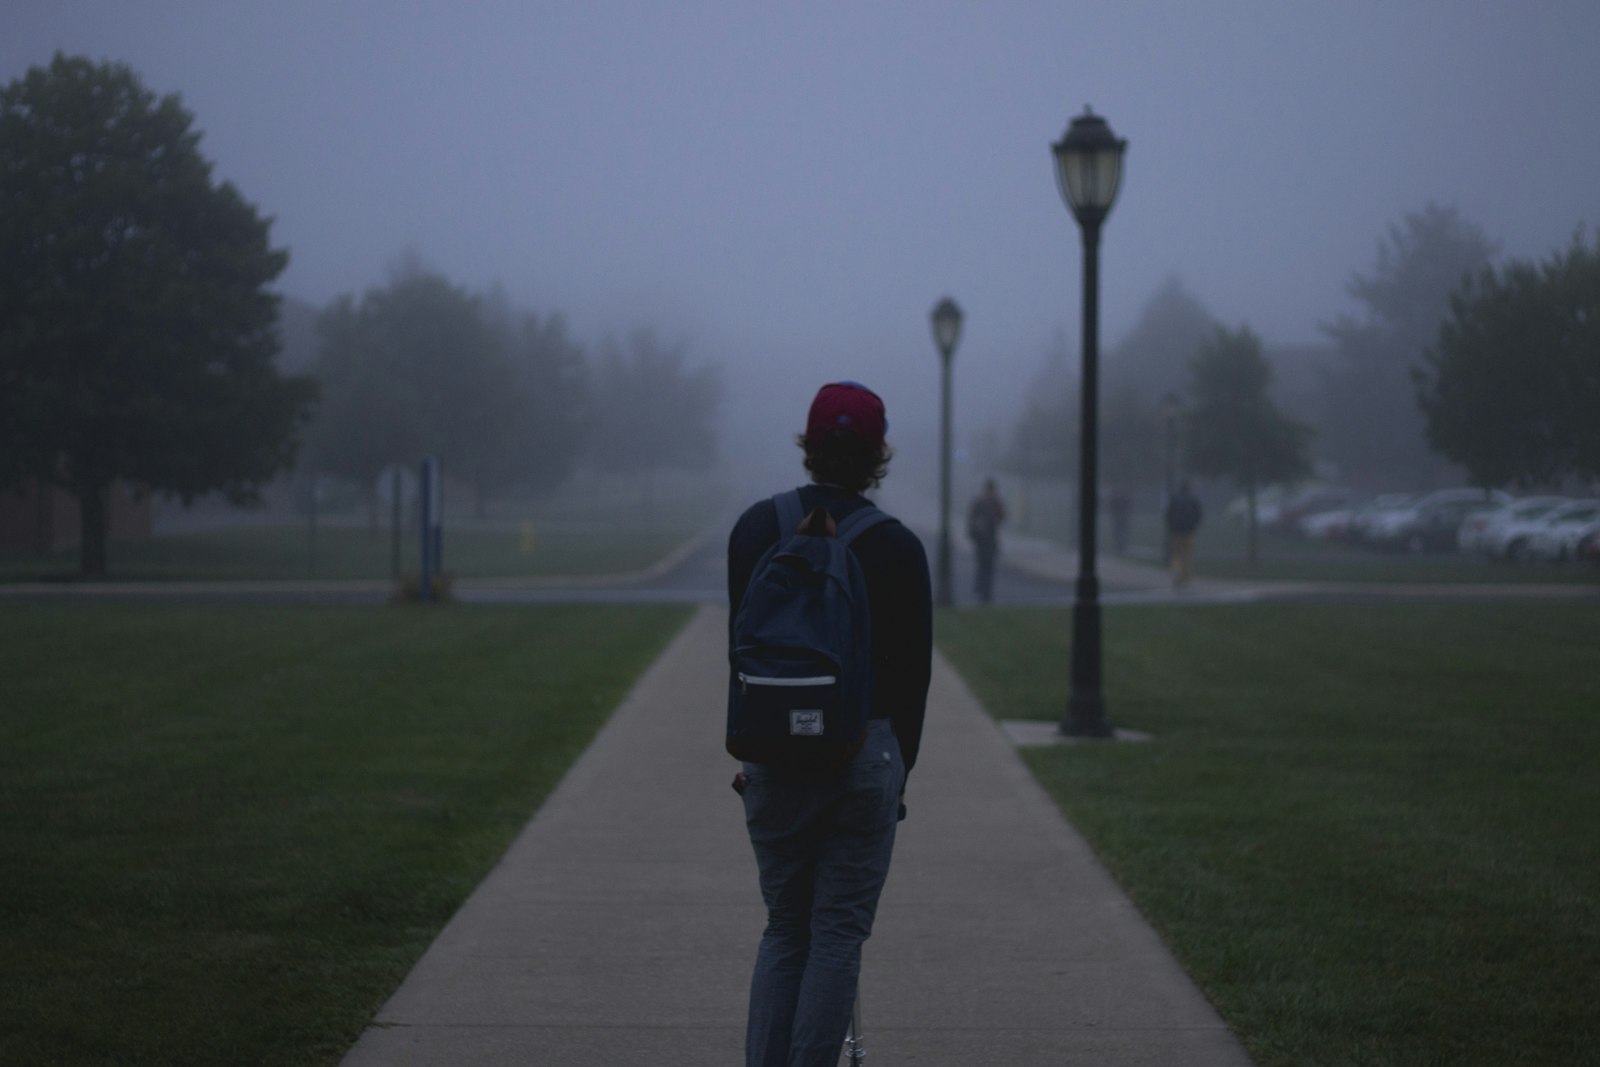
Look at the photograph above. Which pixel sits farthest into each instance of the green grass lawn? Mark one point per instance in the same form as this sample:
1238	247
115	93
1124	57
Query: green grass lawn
600	526
228	832
1368	832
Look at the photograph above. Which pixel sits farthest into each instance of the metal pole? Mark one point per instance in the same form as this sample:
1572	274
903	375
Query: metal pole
946	595
1086	713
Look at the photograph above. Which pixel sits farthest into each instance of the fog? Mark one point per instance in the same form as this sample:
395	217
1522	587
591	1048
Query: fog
791	190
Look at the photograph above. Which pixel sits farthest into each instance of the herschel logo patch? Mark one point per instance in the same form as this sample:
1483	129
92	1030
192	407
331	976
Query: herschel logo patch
805	722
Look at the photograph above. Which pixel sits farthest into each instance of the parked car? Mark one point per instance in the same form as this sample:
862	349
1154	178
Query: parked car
1327	525
1363	518
1470	535
1516	521
1564	529
1432	523
1308	502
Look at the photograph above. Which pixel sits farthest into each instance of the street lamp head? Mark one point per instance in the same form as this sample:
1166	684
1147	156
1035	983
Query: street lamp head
946	326
1089	167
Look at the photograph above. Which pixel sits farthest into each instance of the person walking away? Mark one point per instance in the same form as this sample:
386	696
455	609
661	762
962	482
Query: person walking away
983	527
1183	520
823	839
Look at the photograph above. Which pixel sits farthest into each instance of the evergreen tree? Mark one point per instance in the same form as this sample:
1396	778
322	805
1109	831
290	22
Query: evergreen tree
1232	427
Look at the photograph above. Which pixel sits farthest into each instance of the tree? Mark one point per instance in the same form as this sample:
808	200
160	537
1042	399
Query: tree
652	411
414	369
136	330
1511	387
1232	427
1153	356
1044	439
550	379
1132	439
1370	423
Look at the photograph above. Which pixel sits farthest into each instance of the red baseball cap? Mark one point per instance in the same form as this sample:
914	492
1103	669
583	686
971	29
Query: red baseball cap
847	406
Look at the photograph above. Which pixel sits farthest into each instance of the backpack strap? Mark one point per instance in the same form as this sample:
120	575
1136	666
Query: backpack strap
790	513
859	522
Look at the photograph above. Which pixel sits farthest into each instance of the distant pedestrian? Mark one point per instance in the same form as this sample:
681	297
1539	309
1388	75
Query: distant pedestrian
1121	514
823	840
1182	520
983	527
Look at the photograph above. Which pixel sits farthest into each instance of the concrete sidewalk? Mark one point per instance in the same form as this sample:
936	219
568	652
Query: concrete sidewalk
621	926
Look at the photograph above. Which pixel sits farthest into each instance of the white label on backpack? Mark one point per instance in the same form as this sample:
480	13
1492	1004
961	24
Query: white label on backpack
805	722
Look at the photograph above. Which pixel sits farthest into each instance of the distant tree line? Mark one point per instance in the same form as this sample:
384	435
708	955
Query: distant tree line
139	336
1448	360
506	399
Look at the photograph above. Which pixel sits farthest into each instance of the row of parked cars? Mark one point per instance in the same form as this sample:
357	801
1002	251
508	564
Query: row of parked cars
1489	523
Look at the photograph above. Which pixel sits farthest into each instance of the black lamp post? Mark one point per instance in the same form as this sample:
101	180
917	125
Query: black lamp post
946	332
1088	161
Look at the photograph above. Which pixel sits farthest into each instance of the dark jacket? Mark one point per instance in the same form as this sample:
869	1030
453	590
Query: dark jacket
1183	514
898	590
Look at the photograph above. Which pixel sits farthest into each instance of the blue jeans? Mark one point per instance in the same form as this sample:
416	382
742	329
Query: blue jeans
823	851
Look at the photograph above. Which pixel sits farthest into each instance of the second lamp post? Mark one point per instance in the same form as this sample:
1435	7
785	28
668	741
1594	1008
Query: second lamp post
1088	169
946	332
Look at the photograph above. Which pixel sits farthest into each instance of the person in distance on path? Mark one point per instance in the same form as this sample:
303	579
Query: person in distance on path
823	846
984	517
1183	519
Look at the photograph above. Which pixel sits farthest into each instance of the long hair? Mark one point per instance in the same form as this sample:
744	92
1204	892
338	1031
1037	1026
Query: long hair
846	459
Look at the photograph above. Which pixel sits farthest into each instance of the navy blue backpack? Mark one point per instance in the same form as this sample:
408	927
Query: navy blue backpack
800	656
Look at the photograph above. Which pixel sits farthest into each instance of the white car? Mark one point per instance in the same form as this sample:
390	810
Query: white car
1491	535
1469	538
1431	522
1375	511
1564	530
1327	525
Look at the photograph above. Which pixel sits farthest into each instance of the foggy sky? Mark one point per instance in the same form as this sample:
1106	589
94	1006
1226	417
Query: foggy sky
792	188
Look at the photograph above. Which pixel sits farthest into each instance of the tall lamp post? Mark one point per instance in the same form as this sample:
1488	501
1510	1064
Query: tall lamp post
946	332
1088	161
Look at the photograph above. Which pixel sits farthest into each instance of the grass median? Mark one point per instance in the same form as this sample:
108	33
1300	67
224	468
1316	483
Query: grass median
228	832
1368	832
278	553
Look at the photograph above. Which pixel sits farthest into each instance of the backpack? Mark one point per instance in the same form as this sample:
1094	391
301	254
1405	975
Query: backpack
799	650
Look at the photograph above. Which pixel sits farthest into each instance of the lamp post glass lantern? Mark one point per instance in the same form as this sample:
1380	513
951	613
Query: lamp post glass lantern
1088	169
946	332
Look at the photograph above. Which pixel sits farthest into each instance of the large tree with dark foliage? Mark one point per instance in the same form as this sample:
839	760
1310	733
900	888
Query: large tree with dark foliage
137	332
1233	429
1370	424
1511	386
